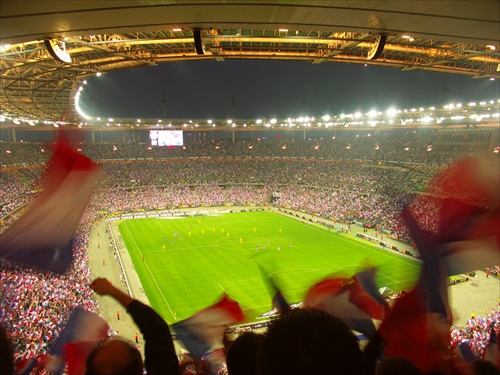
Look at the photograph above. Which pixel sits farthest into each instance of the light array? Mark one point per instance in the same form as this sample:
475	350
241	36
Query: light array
485	112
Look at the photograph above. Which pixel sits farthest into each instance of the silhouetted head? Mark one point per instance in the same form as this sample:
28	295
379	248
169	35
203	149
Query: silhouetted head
242	354
397	366
114	357
307	341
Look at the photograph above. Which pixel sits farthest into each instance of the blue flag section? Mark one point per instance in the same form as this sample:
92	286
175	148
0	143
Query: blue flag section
42	236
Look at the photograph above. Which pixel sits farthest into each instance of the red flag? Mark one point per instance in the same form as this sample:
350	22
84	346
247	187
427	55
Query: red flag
408	334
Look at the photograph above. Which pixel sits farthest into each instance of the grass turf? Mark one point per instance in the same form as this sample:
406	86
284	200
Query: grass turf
190	261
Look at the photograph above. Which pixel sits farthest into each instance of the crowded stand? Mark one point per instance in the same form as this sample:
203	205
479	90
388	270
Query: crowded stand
476	332
365	180
35	305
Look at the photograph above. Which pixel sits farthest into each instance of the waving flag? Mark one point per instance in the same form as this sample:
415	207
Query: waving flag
418	325
469	215
75	342
203	330
366	295
42	237
355	300
278	300
492	351
465	238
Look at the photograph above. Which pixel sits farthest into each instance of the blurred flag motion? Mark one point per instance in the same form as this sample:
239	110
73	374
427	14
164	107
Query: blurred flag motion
492	351
355	300
206	328
82	331
42	237
278	300
465	237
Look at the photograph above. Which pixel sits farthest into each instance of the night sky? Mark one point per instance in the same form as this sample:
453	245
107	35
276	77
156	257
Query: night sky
266	89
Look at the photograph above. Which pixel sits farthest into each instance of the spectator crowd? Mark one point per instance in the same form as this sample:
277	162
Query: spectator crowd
341	179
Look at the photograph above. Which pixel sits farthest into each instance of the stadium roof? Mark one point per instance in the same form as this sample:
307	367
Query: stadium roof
48	48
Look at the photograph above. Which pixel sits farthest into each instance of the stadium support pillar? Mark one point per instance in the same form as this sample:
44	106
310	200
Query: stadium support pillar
93	136
304	134
233	135
14	135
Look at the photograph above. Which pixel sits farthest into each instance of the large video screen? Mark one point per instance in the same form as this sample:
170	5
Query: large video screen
166	137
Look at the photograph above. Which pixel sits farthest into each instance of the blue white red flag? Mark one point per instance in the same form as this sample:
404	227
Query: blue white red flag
465	238
468	216
355	300
200	332
83	330
42	237
365	294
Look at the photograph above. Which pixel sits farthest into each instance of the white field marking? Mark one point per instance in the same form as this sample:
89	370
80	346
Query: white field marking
176	248
235	243
225	291
149	270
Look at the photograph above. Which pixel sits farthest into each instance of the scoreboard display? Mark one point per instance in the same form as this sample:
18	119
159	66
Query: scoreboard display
166	137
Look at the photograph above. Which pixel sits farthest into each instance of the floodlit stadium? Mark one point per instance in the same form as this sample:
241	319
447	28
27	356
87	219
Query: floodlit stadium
186	210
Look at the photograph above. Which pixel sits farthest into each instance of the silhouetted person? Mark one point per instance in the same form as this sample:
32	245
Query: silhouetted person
119	357
6	353
307	341
397	366
241	358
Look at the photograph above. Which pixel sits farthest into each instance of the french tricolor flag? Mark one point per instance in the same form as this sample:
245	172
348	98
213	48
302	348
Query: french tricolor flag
203	330
42	237
75	342
355	300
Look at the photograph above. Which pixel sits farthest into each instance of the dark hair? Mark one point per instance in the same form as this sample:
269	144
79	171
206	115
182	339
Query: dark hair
6	353
130	365
242	354
307	341
484	367
397	366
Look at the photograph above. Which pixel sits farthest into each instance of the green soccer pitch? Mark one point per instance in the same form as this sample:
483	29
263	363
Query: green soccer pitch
186	263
